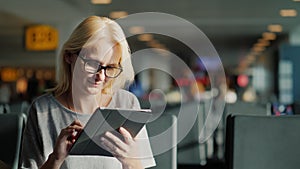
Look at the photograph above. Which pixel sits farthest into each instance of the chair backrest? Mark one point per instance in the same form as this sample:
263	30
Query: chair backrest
262	142
11	128
4	108
19	107
247	107
165	123
189	150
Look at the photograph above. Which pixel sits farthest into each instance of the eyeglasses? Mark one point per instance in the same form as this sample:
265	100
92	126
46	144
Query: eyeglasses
92	66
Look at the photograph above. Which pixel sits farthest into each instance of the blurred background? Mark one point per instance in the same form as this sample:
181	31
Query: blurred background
258	43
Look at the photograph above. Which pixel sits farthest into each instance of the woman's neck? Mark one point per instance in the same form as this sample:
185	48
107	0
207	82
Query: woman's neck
104	99
85	103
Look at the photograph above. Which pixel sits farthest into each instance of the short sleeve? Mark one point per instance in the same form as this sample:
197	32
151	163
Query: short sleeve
31	153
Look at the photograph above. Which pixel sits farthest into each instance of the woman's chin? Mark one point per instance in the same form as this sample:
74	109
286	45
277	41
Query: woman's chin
94	90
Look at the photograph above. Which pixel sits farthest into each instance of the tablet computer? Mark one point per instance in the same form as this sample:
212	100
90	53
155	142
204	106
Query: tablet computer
102	120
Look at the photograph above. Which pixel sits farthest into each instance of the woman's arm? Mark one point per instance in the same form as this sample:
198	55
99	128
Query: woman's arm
32	155
62	146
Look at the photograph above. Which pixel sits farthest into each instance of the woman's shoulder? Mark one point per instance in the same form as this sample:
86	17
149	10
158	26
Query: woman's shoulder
124	93
42	102
44	98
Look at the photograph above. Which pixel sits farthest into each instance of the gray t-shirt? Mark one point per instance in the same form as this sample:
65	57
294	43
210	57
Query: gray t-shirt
46	119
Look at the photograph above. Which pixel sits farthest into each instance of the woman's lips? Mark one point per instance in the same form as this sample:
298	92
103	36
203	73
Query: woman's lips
96	83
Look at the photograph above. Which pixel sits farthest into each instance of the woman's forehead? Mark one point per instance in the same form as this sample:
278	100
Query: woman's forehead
103	51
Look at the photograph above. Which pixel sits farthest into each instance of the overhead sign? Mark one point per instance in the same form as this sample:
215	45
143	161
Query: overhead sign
41	38
9	74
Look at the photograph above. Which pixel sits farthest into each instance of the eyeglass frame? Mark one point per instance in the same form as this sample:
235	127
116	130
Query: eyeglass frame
100	67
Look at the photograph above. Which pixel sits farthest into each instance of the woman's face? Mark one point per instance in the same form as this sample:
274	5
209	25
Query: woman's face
105	53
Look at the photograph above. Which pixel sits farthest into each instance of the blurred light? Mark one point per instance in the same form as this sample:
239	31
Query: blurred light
254	53
29	73
117	14
48	75
259	76
136	30
262	43
258	48
269	36
39	74
215	92
251	58
21	85
9	74
173	97
242	80
156	44
275	28
231	97
288	12
296	0
100	1
145	37
249	95
243	65
21	72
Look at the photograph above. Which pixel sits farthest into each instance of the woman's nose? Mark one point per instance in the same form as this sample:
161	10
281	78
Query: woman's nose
100	76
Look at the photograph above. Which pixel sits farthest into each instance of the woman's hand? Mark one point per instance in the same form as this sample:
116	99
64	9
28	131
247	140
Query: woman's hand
123	147
63	144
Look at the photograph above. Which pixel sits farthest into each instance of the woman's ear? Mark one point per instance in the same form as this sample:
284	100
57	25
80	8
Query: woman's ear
69	57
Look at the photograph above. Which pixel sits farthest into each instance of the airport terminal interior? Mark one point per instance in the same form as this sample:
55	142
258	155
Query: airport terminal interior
220	76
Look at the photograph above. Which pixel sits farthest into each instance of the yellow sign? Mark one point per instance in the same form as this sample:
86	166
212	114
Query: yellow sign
9	74
41	38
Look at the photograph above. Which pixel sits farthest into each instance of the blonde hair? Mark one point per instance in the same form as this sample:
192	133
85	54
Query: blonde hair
88	28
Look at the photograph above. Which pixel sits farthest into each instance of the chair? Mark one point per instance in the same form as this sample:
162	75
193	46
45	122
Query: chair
11	128
4	108
190	151
19	107
165	124
262	142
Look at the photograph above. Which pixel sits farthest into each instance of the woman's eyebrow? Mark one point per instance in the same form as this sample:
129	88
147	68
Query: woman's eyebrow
113	64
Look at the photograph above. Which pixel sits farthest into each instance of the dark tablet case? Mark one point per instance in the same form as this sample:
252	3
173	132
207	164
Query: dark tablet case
108	120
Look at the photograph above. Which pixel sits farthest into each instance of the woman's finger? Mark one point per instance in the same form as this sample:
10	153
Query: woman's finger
109	146
70	132
127	136
75	127
116	139
76	122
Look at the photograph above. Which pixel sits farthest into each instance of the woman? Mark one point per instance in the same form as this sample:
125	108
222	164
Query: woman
94	65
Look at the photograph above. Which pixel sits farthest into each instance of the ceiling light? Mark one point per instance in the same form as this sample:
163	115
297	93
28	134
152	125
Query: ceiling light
288	12
145	37
258	48
136	30
154	44
262	42
251	57
100	1
118	14
269	36
275	28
